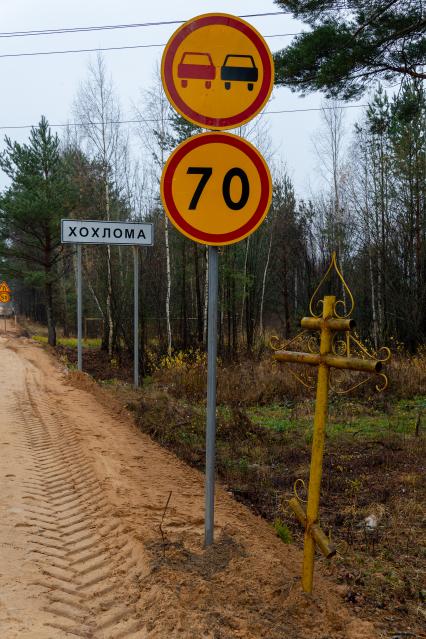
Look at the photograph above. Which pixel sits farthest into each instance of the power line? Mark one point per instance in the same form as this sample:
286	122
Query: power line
110	27
121	48
37	53
140	121
282	35
342	106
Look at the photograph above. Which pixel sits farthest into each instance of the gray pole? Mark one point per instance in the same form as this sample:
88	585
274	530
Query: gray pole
79	311
136	316
211	393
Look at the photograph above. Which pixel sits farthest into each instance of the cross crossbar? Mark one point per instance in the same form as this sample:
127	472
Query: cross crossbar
332	361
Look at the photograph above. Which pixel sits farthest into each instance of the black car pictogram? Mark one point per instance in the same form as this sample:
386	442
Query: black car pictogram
239	68
196	66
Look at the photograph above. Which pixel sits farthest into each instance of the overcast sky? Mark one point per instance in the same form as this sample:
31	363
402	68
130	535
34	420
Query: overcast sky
32	86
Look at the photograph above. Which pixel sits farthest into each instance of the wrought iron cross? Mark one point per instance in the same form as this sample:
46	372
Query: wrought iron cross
333	354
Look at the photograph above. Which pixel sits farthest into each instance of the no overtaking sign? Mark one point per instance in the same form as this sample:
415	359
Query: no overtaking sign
97	232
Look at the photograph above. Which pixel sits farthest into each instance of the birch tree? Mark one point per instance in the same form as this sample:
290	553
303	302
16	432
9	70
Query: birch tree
329	148
155	133
97	110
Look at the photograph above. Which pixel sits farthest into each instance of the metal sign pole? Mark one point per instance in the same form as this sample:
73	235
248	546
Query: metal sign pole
213	276
79	311
213	149
136	316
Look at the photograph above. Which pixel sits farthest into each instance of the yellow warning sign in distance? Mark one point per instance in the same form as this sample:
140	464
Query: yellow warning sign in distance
4	298
217	71
4	288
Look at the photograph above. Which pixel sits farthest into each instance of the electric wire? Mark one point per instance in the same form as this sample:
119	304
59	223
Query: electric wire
132	25
120	48
110	27
142	120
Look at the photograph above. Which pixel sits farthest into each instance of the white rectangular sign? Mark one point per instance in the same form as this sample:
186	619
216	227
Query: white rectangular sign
100	232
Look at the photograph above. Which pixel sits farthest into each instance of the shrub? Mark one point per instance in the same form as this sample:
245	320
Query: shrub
283	531
253	382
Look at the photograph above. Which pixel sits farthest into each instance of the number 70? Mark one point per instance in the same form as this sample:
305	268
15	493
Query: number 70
206	173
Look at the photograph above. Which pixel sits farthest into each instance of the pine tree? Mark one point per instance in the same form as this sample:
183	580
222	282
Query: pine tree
30	212
350	45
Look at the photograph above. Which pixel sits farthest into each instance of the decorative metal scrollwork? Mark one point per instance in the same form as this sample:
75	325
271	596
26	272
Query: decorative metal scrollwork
278	345
308	381
345	343
318	302
304	338
300	484
339	345
339	378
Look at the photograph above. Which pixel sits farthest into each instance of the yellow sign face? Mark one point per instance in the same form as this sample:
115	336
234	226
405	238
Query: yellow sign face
4	288
217	71
4	298
216	188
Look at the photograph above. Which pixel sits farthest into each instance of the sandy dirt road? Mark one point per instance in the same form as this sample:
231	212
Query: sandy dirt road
82	495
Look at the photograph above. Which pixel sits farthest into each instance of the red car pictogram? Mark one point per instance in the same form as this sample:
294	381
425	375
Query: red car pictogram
196	66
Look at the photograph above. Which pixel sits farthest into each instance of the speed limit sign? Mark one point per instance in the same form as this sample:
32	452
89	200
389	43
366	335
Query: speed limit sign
216	188
217	72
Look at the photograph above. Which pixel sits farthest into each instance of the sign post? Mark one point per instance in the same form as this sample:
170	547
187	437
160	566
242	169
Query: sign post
102	232
217	72
136	317
216	189
79	312
213	275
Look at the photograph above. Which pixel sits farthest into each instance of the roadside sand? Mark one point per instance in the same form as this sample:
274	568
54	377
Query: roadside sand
82	496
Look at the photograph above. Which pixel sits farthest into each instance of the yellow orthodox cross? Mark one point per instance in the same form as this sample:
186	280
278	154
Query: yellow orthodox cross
334	353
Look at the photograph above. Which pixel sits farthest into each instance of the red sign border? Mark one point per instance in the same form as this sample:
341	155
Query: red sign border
216	239
169	84
7	289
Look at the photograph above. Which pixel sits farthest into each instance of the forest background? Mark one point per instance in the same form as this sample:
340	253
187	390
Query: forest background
370	209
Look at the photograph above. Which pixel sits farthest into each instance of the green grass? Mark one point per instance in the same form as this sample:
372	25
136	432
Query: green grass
367	421
275	417
283	531
400	418
92	342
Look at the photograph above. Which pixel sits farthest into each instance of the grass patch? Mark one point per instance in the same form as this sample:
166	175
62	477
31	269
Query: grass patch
70	342
400	418
276	417
283	531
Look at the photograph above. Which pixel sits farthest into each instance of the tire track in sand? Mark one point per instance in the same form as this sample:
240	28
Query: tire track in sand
84	555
